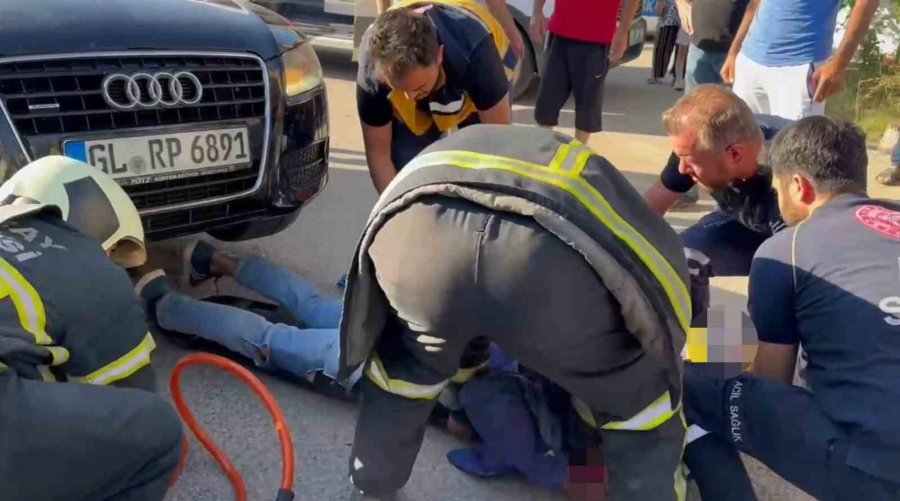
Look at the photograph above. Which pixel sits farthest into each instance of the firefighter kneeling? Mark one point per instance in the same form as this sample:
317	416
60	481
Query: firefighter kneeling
523	237
71	329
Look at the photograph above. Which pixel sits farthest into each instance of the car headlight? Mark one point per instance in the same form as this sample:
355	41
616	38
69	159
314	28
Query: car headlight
302	71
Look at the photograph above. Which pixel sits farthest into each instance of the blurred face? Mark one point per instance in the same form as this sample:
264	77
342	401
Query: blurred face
420	81
717	168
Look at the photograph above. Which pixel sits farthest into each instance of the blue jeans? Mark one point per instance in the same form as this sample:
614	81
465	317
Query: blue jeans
315	348
895	156
703	67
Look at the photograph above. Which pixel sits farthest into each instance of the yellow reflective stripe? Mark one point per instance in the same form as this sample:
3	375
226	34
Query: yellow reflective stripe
697	343
571	158
125	366
30	309
590	198
376	373
584	154
559	159
28	303
463	375
652	416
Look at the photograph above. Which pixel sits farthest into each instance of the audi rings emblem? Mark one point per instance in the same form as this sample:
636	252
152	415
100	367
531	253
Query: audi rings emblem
152	90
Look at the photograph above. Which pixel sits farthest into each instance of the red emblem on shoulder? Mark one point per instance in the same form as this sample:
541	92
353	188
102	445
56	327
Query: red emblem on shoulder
884	221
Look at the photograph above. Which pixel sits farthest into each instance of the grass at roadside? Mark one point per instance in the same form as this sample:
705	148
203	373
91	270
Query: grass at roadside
876	97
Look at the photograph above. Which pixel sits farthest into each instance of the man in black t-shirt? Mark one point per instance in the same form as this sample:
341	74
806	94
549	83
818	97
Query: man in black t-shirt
426	69
716	144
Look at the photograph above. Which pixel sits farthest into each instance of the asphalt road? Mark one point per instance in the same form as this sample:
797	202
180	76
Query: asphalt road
319	247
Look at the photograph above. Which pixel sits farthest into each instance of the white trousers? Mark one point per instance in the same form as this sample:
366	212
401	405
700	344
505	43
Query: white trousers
785	91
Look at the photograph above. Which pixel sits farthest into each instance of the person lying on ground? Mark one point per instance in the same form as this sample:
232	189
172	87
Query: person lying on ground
526	425
78	417
309	352
830	284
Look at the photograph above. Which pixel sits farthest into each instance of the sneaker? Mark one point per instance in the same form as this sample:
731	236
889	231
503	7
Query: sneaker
679	85
889	177
198	260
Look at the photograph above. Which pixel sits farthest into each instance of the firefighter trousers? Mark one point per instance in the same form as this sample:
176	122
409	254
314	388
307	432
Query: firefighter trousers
74	442
454	272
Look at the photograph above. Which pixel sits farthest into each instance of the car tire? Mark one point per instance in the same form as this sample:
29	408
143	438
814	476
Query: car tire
258	228
526	69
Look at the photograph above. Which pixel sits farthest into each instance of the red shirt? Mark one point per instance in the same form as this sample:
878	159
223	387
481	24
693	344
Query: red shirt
585	20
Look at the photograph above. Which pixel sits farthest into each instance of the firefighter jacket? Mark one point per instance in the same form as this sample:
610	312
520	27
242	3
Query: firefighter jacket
67	312
577	196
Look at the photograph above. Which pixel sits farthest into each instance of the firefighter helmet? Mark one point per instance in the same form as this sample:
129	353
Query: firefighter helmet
90	200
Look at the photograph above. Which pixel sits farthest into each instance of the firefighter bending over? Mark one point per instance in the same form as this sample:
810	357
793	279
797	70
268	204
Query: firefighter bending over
529	239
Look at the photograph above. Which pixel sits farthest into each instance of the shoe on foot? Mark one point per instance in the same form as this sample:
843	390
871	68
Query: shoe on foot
197	262
679	85
889	177
652	81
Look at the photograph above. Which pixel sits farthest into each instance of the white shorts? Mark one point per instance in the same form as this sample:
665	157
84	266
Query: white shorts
785	91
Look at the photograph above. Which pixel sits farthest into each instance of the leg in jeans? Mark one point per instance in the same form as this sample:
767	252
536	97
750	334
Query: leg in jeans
703	67
748	85
297	295
895	155
277	346
71	441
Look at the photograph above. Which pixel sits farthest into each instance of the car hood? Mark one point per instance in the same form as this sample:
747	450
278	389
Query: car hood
32	27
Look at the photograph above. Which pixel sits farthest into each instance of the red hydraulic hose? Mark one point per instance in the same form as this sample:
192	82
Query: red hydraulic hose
285	492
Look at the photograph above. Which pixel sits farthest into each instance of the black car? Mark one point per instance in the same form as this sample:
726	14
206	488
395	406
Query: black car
210	113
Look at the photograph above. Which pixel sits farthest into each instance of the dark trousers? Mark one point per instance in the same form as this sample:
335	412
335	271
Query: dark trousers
573	67
663	49
454	272
405	145
73	442
780	425
716	246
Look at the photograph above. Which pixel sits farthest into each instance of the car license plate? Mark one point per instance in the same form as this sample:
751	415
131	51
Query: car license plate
143	159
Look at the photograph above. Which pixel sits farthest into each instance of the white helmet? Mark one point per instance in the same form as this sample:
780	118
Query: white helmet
89	200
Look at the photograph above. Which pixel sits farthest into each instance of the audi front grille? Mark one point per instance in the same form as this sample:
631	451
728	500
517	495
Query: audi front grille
64	97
